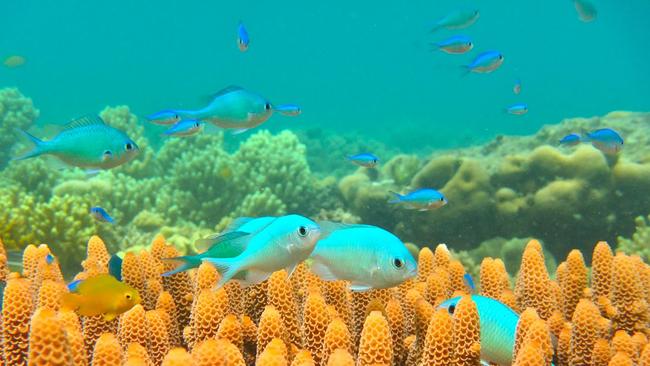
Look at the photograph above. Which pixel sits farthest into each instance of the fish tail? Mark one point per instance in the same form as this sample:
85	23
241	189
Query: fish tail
188	262
36	150
71	301
397	197
466	69
227	267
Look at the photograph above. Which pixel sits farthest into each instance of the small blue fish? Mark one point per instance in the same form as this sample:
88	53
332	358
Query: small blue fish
367	256
166	117
455	45
605	140
469	281
518	109
485	62
571	139
367	160
183	128
242	37
498	324
422	199
49	258
517	87
101	215
290	110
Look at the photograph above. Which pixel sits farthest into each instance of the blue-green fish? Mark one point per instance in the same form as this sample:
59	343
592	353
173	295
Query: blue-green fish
605	140
99	214
458	19
586	10
242	37
290	110
485	62
233	108
455	45
571	139
367	160
422	199
166	117
498	325
283	243
87	143
187	127
367	256
518	109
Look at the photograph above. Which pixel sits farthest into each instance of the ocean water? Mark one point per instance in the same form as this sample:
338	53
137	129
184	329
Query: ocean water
362	66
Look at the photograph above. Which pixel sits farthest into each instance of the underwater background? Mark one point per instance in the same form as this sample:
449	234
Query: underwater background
366	79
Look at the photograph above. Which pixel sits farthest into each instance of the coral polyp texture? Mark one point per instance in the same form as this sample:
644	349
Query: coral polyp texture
597	317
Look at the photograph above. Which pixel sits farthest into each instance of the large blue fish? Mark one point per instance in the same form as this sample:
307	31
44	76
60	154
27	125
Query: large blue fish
87	143
367	256
605	140
485	62
283	243
498	325
422	199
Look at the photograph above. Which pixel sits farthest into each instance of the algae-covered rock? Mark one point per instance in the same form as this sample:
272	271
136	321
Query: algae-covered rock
16	112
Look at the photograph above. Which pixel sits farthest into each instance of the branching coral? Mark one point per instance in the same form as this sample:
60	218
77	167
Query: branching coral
16	111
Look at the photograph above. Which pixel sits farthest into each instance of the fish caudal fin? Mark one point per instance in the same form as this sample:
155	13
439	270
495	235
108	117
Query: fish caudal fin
36	150
188	262
71	301
396	197
227	267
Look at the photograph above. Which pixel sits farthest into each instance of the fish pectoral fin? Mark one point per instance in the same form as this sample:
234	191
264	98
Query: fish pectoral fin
359	287
227	267
239	131
109	316
92	172
254	277
322	271
290	269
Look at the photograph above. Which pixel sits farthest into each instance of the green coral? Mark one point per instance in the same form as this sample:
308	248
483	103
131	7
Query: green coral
16	112
638	243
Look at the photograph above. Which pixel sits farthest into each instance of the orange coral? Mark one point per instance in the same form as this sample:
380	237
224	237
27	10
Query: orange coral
584	332
438	287
16	312
441	256
136	354
627	295
280	295
216	352
207	311
235	297
132	327
132	271
166	302
336	294
270	327
340	357
375	346
255	300
107	351
644	359
438	346
230	329
622	342
574	282
621	359
601	270
274	354
425	264
532	288
157	336
395	317
177	357
336	336
531	354
50	294
539	334
526	319
152	289
456	280
601	353
303	358
48	345
76	343
96	249
179	286
206	277
467	334
316	320
564	345
491	279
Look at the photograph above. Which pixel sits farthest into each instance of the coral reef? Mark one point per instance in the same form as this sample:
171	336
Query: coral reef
16	112
327	324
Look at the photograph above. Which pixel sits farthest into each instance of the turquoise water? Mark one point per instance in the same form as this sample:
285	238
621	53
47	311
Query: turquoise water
352	66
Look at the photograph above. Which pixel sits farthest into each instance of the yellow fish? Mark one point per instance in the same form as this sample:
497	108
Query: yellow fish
14	61
101	295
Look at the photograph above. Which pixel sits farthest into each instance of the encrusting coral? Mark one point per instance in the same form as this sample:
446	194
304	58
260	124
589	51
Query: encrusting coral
301	324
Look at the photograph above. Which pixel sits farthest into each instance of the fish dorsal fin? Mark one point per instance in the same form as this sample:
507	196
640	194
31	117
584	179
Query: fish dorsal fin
88	120
328	227
239	222
215	239
227	90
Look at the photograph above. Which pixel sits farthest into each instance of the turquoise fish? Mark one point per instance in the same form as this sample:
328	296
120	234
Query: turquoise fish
242	37
290	110
187	127
458	19
233	108
283	243
87	143
498	325
586	10
571	139
606	140
422	199
367	256
517	109
166	117
485	62
455	45
99	214
366	160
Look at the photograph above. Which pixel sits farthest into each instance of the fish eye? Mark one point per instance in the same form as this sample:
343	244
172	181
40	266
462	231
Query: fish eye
451	309
398	263
500	57
302	231
128	146
441	199
128	296
374	161
196	124
267	106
